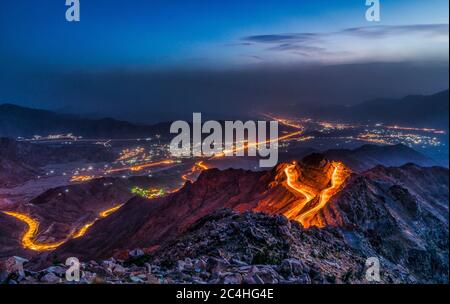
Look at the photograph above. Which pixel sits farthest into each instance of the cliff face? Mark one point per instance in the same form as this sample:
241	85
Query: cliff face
399	213
315	171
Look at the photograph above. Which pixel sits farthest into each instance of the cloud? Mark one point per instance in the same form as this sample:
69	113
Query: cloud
370	43
296	47
437	30
282	38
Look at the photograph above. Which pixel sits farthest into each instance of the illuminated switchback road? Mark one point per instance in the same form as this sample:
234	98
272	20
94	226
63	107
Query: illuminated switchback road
27	238
337	179
28	241
308	218
293	183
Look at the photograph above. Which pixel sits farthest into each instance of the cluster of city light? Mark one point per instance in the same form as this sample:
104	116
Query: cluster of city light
429	130
335	126
148	193
386	136
130	153
377	134
52	137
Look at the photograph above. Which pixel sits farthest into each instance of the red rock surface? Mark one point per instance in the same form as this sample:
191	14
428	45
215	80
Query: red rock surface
145	223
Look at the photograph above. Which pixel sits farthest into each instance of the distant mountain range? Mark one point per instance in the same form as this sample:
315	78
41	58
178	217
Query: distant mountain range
18	121
368	156
416	110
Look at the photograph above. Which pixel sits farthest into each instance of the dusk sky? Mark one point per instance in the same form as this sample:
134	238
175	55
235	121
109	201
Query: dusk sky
140	59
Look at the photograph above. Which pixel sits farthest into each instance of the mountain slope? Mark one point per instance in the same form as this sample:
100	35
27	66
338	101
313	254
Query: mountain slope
369	156
418	110
26	122
378	213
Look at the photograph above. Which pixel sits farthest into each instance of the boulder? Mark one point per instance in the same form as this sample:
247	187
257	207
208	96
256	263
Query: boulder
51	278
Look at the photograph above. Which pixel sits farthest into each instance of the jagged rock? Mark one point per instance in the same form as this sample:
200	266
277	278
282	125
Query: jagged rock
238	262
215	265
233	278
293	267
136	279
200	265
57	270
51	278
257	279
109	264
100	271
88	277
302	279
15	264
119	270
316	171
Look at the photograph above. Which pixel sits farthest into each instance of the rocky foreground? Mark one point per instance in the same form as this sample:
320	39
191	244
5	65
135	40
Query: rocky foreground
226	247
252	248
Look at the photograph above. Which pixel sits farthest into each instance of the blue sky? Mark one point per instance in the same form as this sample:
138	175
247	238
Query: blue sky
195	33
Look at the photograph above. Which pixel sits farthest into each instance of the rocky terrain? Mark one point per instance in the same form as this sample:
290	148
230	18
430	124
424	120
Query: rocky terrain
312	221
232	248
